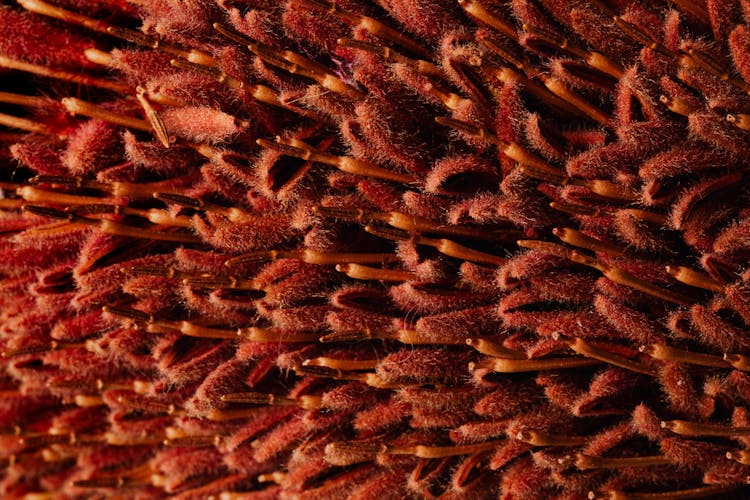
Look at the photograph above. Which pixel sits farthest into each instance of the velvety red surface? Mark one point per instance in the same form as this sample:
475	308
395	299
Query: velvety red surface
363	249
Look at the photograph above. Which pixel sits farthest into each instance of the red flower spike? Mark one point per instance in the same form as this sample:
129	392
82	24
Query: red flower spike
270	302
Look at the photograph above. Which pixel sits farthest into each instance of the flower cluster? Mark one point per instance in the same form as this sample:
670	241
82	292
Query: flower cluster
360	249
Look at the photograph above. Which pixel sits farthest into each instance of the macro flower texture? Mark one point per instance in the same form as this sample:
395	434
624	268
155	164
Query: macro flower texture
374	249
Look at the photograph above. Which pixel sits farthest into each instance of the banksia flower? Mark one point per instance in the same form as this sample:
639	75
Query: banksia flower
314	249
